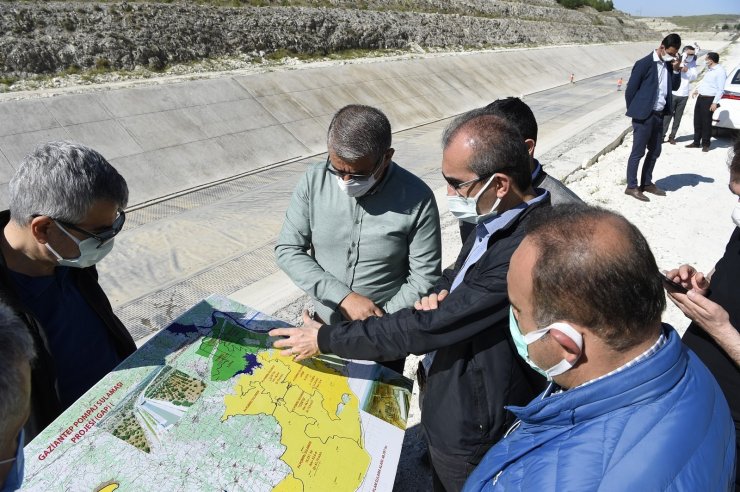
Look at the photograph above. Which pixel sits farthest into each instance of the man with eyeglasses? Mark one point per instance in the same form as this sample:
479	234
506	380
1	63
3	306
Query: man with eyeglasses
65	208
475	371
361	234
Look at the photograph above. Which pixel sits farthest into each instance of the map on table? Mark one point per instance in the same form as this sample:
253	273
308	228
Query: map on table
207	404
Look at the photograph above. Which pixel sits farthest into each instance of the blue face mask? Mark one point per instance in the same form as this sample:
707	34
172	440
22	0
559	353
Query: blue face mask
522	341
15	477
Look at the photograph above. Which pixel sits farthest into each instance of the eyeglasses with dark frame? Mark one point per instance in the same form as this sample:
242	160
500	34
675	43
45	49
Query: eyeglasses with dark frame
359	177
458	186
103	236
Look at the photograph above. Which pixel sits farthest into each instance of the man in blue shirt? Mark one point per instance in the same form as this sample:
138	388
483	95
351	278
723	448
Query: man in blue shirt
66	205
629	406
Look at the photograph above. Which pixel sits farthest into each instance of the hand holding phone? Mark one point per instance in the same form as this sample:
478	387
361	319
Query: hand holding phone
672	286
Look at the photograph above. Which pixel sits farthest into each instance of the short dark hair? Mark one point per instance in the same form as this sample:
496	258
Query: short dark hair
713	56
358	131
688	47
735	162
516	111
16	346
613	288
499	146
673	40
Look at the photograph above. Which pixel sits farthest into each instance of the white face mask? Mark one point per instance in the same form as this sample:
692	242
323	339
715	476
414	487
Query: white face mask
667	58
466	208
90	253
689	58
355	188
736	214
523	341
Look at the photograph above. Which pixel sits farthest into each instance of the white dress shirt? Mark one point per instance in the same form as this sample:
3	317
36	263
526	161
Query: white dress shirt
686	78
713	83
662	83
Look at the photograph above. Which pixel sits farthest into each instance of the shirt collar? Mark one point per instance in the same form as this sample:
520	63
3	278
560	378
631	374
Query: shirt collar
383	180
537	170
656	58
500	221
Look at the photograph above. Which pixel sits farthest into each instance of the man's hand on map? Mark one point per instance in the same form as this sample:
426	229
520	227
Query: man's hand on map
357	307
302	342
431	301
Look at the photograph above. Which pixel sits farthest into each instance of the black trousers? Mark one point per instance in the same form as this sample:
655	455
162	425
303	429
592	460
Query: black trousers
703	120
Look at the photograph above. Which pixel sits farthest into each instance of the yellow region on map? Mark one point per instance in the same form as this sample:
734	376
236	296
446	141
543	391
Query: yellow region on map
319	416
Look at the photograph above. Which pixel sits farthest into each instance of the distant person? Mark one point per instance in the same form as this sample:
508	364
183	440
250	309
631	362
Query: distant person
688	71
66	205
619	84
649	99
710	92
572	78
475	372
629	406
713	305
16	355
519	114
361	234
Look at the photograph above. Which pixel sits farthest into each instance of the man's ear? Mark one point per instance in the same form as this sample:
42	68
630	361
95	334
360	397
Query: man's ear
40	228
530	146
503	183
389	153
572	349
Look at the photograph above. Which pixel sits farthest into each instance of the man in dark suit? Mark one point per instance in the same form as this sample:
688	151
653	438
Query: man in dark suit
648	98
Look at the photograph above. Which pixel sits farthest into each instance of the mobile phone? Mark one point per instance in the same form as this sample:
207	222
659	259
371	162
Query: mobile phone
670	285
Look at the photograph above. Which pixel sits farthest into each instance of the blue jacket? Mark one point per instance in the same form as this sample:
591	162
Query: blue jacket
642	88
662	424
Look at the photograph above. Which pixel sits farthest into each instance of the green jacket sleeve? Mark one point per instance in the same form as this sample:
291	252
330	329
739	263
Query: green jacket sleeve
293	256
425	258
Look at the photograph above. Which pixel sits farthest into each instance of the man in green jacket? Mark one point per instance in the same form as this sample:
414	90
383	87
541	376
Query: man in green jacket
361	234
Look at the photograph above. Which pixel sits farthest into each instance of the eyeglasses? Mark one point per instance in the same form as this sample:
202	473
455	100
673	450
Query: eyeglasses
358	177
101	236
456	186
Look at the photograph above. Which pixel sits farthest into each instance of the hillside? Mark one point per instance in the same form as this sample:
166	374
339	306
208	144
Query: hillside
63	38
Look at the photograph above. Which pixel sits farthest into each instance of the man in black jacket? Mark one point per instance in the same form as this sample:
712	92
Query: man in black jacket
474	370
66	205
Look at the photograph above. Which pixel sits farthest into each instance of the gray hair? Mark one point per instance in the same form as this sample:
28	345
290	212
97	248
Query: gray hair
62	180
16	346
358	131
498	146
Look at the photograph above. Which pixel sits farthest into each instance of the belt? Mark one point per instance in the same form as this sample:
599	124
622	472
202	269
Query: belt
702	95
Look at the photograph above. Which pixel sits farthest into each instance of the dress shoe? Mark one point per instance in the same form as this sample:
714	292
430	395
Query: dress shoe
651	188
637	194
705	148
692	145
672	141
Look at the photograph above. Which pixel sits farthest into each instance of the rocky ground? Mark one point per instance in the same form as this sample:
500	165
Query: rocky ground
53	39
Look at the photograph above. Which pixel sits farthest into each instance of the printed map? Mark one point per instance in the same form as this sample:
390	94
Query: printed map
207	404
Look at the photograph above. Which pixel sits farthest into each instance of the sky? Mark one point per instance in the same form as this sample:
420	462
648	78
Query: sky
668	8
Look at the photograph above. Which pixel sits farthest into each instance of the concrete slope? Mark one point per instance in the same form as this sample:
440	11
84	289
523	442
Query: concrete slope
174	137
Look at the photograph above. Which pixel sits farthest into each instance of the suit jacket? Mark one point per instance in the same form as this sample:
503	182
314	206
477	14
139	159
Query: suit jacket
642	88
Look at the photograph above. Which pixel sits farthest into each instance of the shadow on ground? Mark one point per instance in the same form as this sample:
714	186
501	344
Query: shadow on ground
678	181
414	473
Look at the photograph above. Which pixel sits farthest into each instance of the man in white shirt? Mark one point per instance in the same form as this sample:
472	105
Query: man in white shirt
678	104
710	92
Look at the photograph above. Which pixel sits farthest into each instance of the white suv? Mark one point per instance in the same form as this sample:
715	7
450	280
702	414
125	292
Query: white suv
728	113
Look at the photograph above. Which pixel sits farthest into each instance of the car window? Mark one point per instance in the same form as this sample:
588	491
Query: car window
736	77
